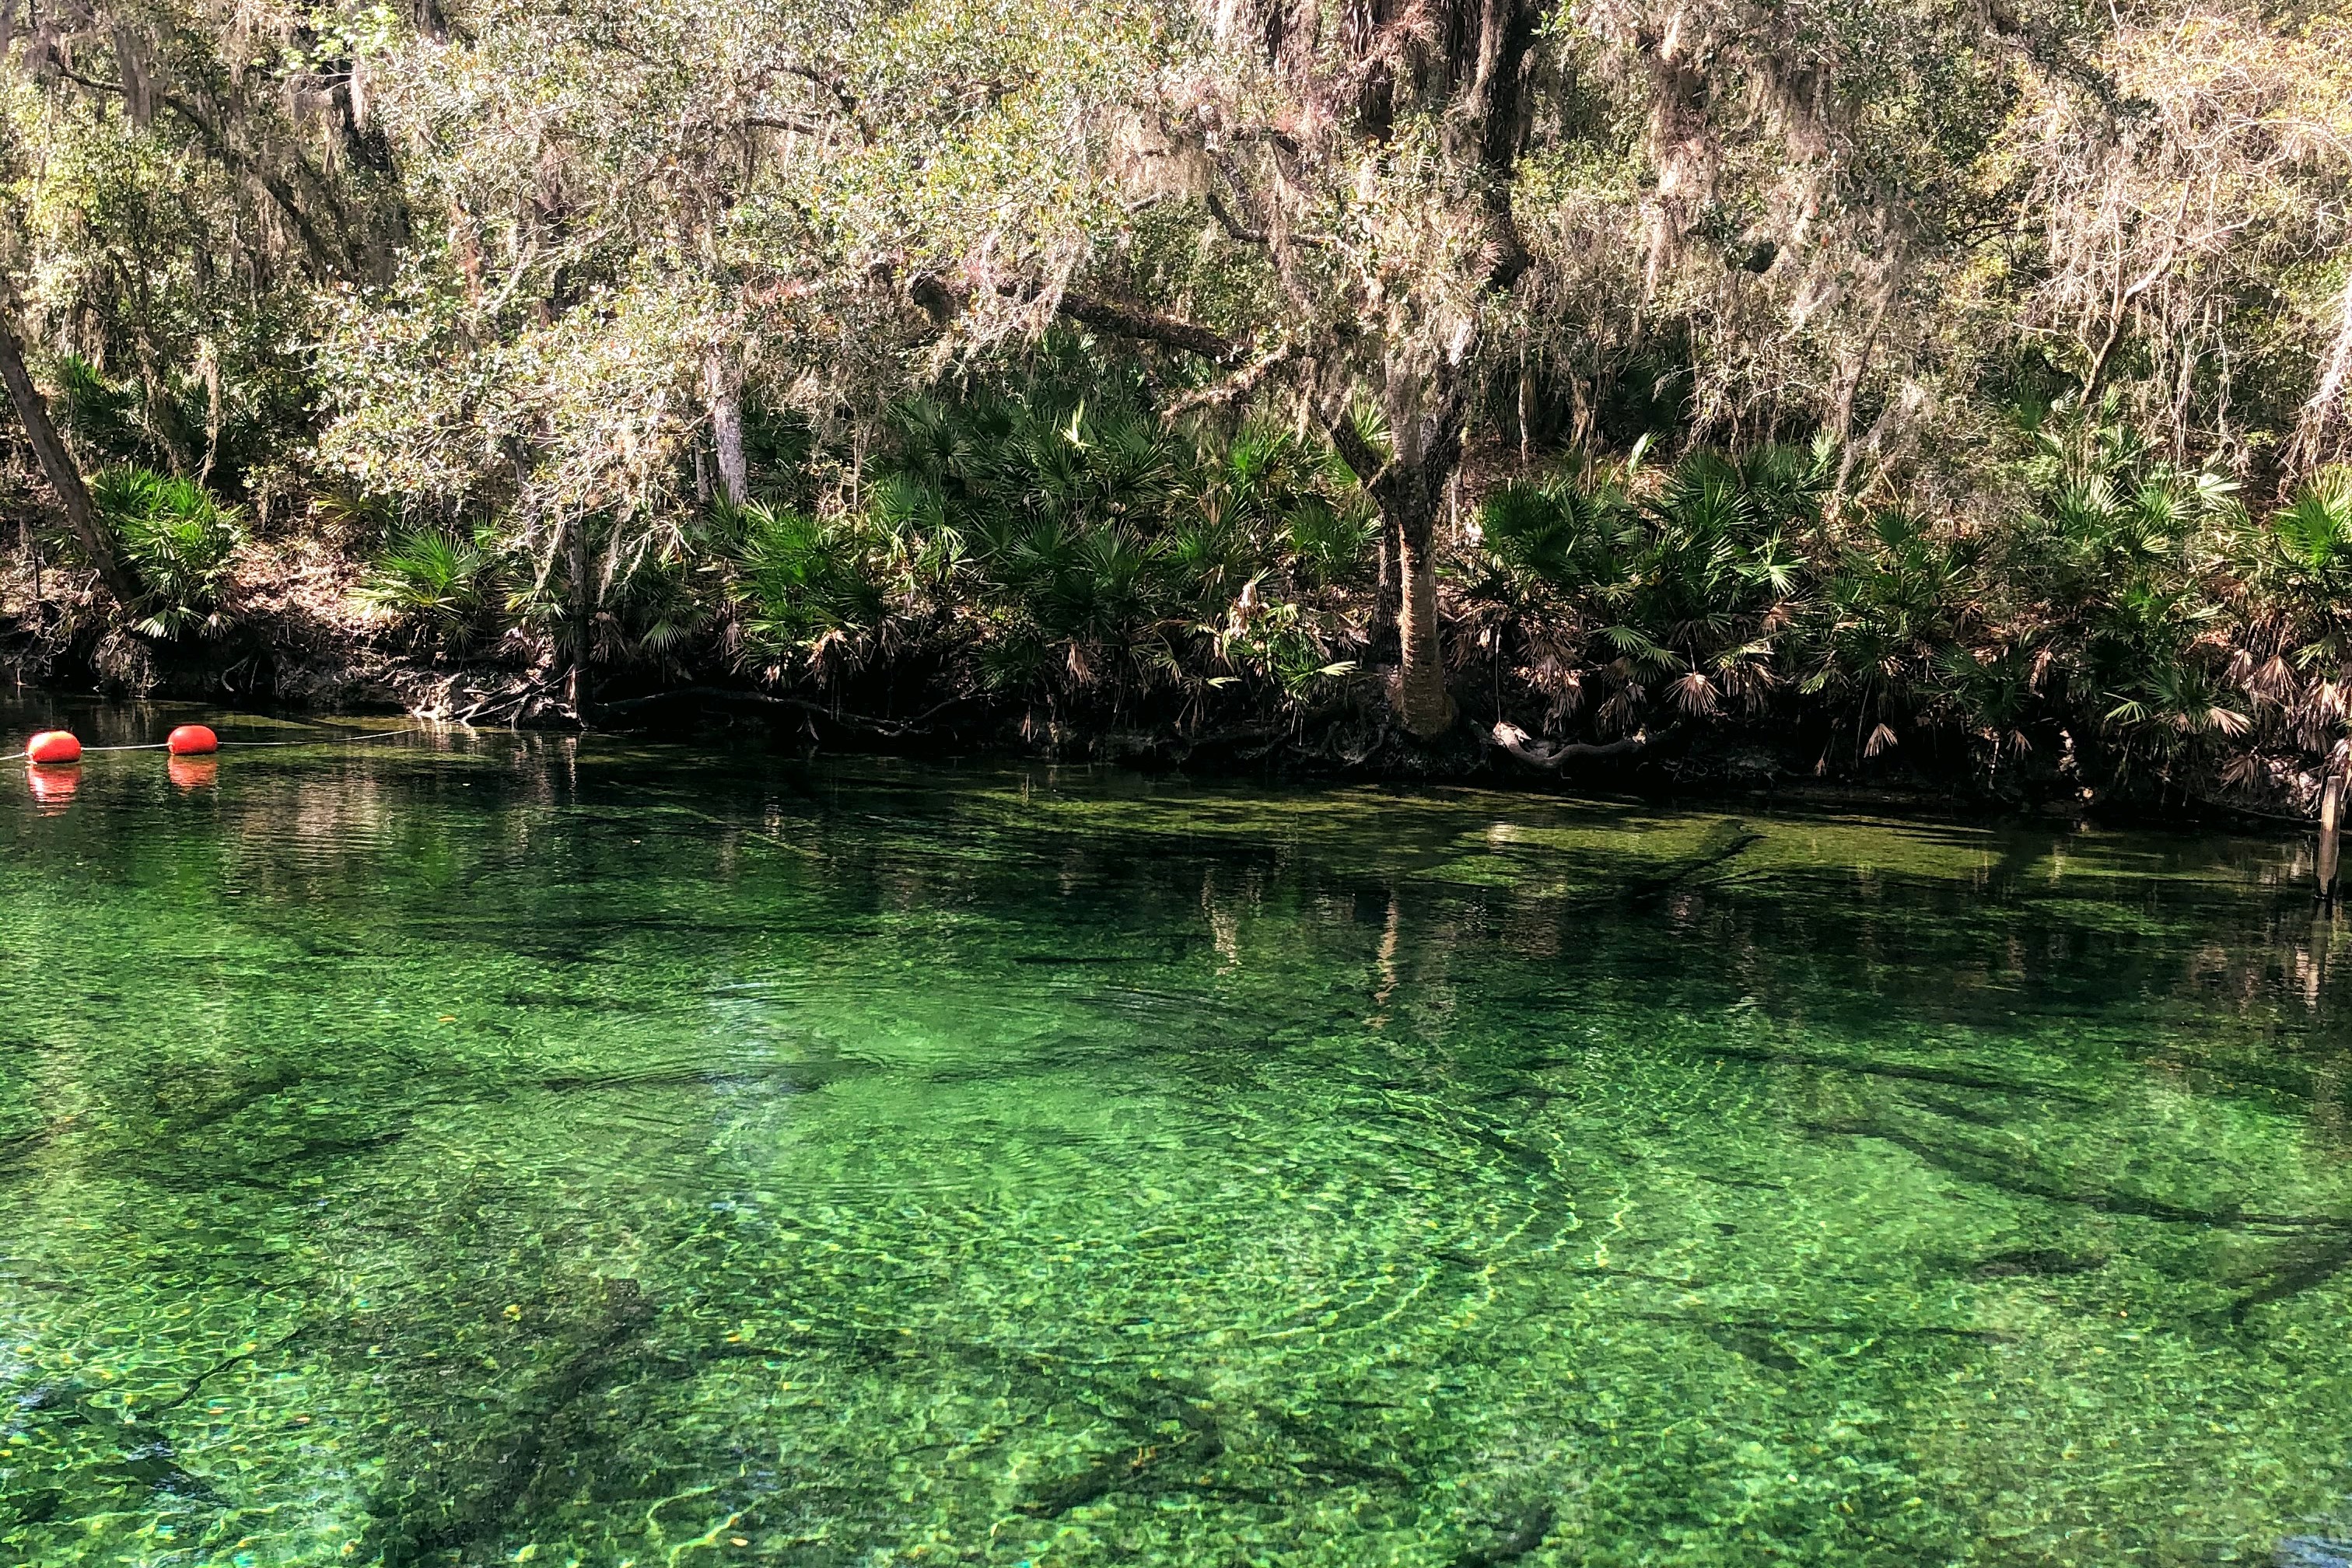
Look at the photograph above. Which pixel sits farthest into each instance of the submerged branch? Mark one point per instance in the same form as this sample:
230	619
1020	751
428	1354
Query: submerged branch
2007	1178
1770	1056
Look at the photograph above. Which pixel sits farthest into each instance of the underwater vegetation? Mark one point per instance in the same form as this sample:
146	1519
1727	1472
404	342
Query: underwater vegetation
490	1149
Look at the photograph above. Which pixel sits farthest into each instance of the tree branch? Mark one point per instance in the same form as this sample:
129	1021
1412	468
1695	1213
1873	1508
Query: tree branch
1550	754
331	258
57	462
732	697
1121	321
1231	225
807	125
1238	384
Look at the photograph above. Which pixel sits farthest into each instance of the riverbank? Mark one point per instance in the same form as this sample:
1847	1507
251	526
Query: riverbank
305	654
298	631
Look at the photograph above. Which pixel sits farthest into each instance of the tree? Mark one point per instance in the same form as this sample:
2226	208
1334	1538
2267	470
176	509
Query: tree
57	462
1398	207
1364	166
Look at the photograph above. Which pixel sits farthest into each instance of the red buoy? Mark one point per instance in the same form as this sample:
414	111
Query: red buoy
193	741
53	746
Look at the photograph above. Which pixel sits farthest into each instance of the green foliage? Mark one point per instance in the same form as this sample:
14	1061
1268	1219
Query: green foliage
2315	533
1889	638
2299	571
101	417
444	582
1686	592
807	583
2109	605
1331	544
2113	565
866	233
178	540
1079	541
653	610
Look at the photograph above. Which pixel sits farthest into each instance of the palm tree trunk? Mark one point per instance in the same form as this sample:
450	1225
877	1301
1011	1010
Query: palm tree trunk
1425	409
1423	701
1409	486
1382	634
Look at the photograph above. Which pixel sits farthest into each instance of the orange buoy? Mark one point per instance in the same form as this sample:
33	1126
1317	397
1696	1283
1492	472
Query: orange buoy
53	784
53	746
193	773
193	741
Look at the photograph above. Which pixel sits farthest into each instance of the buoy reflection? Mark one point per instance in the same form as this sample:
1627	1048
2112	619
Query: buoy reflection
53	784
195	773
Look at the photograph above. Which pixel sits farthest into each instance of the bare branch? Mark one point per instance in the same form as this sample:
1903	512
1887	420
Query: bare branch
1550	754
1231	225
1238	384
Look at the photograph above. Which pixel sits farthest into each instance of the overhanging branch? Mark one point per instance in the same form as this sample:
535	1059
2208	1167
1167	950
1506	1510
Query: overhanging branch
1241	383
1231	225
1146	326
1550	754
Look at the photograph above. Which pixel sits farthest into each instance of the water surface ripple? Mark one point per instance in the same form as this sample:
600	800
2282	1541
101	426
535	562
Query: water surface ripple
471	1150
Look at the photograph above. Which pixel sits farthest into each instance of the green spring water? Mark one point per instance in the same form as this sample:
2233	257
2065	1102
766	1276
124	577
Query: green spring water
470	1150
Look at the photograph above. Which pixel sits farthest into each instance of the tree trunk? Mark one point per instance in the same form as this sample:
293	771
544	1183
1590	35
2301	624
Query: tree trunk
1422	698
208	363
1425	409
726	431
578	691
57	462
1382	634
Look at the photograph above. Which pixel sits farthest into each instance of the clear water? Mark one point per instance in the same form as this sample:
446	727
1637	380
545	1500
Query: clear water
473	1149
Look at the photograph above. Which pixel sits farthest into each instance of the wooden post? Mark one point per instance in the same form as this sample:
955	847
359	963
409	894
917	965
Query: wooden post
2331	813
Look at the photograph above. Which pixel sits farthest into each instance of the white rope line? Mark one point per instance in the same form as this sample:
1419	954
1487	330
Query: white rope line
321	741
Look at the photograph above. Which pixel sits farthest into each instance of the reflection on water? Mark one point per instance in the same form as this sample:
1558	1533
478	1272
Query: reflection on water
193	773
469	1150
51	783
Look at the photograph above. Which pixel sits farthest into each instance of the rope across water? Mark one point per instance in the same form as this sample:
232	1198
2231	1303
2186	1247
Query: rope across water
250	746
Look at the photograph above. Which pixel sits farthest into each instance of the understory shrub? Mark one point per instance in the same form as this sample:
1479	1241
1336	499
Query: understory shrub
179	542
444	582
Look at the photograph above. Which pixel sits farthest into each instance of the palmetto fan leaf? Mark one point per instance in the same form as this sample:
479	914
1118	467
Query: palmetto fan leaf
443	580
179	542
2315	530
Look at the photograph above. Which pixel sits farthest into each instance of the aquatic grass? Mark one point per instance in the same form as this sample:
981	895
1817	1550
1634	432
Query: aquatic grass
890	1162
